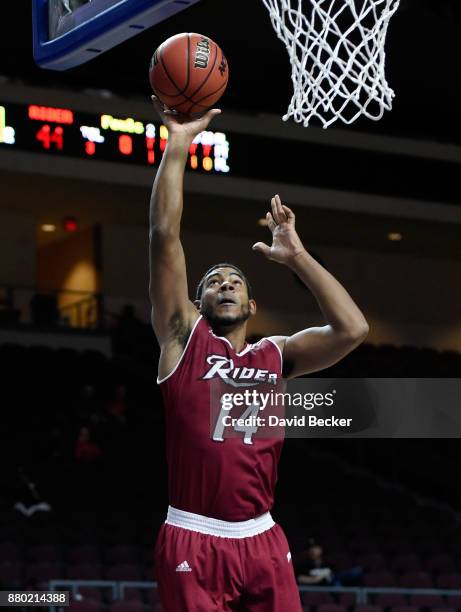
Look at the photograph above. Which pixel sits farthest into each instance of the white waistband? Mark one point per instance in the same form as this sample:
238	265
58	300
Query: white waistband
216	527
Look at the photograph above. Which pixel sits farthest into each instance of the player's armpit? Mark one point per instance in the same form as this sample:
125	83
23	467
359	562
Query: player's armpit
173	314
317	348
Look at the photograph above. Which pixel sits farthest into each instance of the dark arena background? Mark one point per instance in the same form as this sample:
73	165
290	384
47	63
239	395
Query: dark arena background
83	468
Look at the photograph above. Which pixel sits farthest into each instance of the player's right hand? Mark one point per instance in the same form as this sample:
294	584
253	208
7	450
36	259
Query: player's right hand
176	123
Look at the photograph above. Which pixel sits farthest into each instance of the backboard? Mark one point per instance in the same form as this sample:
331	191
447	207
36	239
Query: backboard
67	33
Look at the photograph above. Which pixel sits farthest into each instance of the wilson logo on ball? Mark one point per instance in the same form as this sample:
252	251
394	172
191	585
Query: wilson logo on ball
202	53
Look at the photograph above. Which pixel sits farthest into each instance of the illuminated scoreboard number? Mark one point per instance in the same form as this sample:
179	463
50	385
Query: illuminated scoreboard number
129	132
50	136
61	131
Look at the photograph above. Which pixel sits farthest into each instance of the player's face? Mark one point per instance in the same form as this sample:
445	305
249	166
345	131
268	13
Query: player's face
225	297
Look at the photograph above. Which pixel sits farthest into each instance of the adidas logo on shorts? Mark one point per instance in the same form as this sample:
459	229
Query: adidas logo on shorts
184	567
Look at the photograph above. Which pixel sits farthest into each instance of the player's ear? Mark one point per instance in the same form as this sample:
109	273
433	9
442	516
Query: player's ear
197	304
252	307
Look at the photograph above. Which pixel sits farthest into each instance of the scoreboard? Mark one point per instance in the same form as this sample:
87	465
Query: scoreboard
244	151
63	132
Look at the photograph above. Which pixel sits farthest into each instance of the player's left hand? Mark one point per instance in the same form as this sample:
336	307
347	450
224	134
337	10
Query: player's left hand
286	244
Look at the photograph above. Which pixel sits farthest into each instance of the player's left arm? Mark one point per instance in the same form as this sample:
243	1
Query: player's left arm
314	348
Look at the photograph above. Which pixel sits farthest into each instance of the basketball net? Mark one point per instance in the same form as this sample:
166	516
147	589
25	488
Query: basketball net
337	55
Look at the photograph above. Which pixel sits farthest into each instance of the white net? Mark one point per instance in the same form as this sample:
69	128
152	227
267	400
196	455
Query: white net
337	54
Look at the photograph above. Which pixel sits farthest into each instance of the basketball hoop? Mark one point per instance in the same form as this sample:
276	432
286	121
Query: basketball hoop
337	54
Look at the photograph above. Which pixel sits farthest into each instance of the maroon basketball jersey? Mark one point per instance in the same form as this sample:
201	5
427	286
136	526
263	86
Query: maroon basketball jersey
227	480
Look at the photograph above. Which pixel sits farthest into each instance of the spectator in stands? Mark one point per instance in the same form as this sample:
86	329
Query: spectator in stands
86	451
117	406
313	570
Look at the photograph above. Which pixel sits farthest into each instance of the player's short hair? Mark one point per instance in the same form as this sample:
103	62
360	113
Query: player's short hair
199	290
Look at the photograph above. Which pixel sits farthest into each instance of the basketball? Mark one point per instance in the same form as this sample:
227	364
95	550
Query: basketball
189	73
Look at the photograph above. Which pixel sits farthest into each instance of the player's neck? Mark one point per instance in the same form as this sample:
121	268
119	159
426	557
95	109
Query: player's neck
235	335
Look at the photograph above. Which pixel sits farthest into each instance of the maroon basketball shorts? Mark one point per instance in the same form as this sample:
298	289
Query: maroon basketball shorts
208	565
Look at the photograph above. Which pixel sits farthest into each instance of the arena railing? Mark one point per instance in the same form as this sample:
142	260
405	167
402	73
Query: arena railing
31	305
118	589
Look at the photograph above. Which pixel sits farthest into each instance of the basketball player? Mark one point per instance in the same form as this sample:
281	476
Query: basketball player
219	548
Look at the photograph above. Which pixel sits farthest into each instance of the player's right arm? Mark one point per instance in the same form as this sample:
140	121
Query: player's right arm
173	314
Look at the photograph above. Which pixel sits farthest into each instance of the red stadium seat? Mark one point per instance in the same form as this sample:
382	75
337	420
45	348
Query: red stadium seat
387	600
84	571
454	601
443	610
404	609
391	600
449	581
316	598
347	599
133	594
45	553
427	601
372	562
406	563
379	579
127	606
123	572
440	564
84	606
117	555
84	554
365	608
416	580
42	572
331	608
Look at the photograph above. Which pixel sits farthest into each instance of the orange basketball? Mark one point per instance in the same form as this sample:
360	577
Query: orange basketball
189	73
